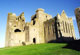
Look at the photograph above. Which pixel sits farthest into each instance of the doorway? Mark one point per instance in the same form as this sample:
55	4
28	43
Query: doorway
34	40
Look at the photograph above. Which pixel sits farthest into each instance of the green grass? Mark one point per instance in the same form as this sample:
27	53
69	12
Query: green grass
39	49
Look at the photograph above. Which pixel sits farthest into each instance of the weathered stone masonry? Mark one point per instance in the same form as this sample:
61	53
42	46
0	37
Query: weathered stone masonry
42	29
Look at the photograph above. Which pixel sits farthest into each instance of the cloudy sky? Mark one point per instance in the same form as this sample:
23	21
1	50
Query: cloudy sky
30	6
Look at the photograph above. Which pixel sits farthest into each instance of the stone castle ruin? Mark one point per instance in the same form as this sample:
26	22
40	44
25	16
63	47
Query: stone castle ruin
43	28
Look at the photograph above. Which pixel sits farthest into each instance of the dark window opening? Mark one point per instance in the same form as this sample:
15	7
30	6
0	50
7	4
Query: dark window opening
15	26
33	22
16	19
53	28
79	11
58	24
34	40
23	43
22	20
33	17
46	16
17	30
48	31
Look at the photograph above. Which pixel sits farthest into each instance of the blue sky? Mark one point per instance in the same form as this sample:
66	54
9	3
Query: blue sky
30	6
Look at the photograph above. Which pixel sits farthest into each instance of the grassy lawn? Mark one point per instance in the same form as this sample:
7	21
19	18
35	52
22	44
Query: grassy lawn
39	49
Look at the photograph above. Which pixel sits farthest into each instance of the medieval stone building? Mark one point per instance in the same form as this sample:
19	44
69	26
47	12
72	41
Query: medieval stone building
42	29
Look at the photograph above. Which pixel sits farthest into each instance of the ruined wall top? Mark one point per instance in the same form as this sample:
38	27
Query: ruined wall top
11	14
40	9
62	16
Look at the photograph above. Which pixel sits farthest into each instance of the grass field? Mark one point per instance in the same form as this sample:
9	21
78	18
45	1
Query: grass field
39	49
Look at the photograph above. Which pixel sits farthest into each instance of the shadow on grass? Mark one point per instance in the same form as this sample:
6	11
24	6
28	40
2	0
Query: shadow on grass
71	43
75	45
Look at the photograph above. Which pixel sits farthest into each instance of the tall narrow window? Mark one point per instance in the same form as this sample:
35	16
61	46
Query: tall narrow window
27	33
48	31
53	28
63	26
34	22
46	16
66	26
44	32
70	28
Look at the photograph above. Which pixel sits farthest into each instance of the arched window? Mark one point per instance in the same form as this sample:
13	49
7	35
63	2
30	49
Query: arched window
17	30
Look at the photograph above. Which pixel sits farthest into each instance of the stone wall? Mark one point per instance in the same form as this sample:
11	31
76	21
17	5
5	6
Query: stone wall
49	30
41	29
64	26
15	24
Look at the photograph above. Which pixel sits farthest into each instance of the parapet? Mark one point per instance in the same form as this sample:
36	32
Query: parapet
12	14
40	9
